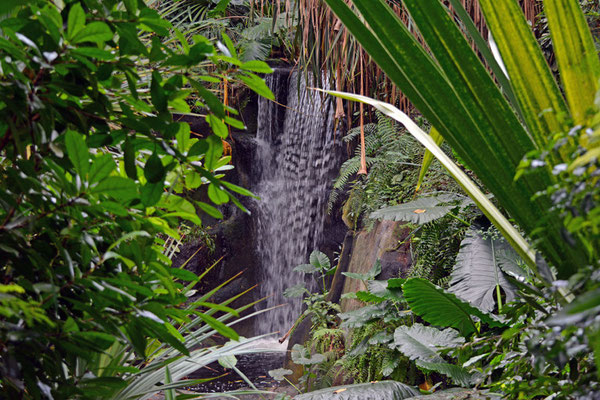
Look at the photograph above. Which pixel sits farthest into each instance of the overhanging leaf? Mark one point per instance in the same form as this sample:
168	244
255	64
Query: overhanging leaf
513	236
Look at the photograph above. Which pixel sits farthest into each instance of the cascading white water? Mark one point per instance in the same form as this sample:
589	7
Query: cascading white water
297	158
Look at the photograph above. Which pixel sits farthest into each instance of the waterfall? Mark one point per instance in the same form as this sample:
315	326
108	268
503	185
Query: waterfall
297	160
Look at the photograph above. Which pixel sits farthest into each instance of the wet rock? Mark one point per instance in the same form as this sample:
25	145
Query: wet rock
388	242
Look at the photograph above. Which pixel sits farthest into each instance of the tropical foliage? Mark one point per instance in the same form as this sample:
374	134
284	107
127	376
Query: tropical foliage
96	176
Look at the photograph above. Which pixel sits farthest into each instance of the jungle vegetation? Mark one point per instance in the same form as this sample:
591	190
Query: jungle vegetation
485	142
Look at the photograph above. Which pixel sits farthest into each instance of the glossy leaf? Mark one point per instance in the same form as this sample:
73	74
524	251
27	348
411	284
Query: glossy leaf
78	152
94	32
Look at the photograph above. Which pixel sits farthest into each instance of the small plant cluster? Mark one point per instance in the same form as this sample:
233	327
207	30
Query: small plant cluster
95	177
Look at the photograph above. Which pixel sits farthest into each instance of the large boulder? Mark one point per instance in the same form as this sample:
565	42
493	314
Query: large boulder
388	242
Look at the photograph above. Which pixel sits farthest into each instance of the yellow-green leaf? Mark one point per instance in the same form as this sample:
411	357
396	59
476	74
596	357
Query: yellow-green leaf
576	55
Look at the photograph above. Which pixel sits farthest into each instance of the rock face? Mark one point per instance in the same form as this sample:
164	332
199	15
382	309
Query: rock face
386	242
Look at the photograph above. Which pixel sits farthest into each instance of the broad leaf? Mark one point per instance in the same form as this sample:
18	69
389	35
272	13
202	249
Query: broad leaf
78	152
459	375
382	291
301	355
420	342
478	271
306	269
295	291
419	211
320	260
122	189
389	390
372	274
94	32
280	373
357	318
439	307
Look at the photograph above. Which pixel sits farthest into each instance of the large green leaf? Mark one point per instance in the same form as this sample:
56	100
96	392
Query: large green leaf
478	272
576	55
458	374
419	211
389	390
420	342
439	307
